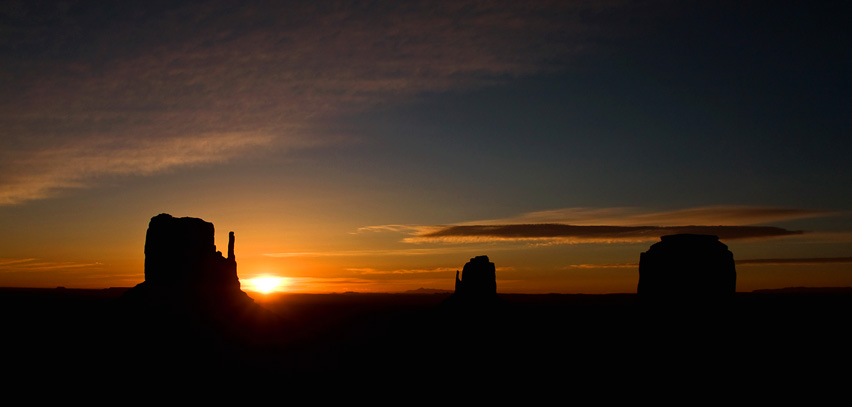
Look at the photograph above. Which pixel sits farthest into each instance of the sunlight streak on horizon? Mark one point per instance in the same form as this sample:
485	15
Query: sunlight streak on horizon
267	284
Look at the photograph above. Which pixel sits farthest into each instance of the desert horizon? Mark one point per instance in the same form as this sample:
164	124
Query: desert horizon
374	147
820	272
192	316
261	296
596	194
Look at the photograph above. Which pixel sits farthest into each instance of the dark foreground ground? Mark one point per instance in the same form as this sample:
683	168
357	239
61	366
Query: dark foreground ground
764	342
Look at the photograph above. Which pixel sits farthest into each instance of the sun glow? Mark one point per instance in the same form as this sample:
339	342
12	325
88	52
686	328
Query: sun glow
267	284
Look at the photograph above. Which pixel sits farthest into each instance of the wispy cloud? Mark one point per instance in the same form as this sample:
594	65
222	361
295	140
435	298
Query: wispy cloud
730	215
155	90
38	265
424	251
368	271
608	225
801	260
768	262
14	262
602	266
42	173
602	234
397	228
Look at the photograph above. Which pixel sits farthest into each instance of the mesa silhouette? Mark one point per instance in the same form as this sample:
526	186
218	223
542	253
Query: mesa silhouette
477	286
183	268
190	318
190	304
687	268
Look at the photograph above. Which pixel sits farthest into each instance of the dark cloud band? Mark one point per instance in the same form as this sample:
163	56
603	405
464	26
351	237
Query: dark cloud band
804	260
555	231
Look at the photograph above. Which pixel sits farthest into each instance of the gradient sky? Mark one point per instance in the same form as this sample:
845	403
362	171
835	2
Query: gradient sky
378	145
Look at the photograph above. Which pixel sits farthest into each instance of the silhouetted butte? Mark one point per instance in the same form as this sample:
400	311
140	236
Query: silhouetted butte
687	267
479	278
189	286
477	285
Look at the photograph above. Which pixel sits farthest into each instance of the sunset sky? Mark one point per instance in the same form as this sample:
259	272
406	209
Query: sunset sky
379	145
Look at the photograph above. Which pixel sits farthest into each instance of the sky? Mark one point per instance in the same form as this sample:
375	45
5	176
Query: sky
377	146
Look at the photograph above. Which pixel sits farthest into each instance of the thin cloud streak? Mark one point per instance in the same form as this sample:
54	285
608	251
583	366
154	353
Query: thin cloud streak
398	228
602	266
35	265
385	252
726	215
769	262
41	174
803	260
416	271
610	225
579	234
11	262
369	271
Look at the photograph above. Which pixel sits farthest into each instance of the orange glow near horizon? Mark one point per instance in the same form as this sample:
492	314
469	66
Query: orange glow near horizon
267	284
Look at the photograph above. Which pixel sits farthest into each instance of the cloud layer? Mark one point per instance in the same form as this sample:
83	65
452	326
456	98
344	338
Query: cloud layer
576	234
802	260
768	262
27	265
201	82
602	225
39	174
729	215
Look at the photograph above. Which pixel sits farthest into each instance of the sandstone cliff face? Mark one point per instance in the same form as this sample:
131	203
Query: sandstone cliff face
687	267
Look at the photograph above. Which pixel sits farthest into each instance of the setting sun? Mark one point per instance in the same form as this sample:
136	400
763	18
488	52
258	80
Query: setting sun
267	284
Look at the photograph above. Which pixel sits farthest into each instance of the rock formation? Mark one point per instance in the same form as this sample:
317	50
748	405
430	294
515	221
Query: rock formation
182	266
477	287
478	278
474	316
190	310
687	267
181	252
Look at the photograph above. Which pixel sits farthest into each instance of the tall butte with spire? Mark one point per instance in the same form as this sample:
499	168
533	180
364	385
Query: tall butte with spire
190	310
182	266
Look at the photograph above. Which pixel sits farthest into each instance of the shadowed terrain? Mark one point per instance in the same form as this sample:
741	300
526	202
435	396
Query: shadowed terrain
190	319
765	336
